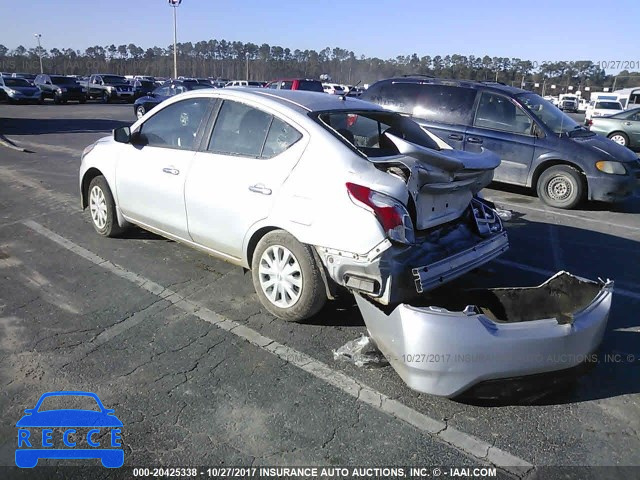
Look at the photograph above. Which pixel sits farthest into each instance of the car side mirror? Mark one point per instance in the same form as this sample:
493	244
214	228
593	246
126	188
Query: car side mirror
122	135
537	131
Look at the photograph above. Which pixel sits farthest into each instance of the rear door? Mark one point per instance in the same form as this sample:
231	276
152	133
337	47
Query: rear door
501	126
234	183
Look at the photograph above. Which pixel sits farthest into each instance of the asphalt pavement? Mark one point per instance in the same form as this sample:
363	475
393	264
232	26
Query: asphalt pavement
201	375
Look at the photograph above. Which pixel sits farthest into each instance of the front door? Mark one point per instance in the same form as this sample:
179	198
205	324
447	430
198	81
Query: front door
500	125
234	184
151	173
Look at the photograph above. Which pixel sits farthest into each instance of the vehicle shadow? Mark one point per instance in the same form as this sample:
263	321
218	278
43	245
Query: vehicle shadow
527	196
42	126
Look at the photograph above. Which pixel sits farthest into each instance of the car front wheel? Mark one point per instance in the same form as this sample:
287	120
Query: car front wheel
102	208
287	278
140	111
106	98
620	138
561	186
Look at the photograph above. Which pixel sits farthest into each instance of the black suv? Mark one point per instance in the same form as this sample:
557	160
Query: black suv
538	144
60	89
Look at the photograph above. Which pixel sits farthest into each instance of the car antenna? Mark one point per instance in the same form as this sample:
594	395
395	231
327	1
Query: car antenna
343	97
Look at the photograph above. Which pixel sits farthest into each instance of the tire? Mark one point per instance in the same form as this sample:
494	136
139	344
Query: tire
620	138
106	98
561	186
140	111
83	100
57	100
304	282
102	208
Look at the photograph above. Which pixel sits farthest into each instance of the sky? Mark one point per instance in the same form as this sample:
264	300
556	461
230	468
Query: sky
539	31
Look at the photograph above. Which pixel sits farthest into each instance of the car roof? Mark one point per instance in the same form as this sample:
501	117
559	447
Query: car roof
495	86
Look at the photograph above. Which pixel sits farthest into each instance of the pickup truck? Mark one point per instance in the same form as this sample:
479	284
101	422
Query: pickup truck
109	88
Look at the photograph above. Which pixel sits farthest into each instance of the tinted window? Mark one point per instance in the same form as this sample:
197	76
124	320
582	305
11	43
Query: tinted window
63	80
608	105
280	137
286	85
239	130
500	113
310	86
16	82
176	126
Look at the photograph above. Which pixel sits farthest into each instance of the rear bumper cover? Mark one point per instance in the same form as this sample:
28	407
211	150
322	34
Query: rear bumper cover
443	352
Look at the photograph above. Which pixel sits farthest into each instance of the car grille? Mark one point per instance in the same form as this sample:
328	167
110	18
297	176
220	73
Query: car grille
124	89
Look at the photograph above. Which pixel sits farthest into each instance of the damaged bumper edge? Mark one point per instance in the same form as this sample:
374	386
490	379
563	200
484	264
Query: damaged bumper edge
507	332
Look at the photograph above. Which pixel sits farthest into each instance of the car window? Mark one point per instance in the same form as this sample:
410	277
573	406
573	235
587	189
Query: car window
239	130
609	105
310	85
367	131
162	91
500	113
280	137
68	402
16	82
286	85
176	125
274	85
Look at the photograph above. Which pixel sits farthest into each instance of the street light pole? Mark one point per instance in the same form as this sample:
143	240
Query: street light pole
38	36
175	4
247	55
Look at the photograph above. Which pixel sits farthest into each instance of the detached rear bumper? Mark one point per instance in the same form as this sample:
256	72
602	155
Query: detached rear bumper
501	333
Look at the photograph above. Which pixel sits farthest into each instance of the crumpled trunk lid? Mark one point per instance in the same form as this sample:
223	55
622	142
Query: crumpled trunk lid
440	183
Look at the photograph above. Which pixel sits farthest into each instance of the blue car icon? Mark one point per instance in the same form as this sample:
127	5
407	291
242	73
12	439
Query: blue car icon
34	445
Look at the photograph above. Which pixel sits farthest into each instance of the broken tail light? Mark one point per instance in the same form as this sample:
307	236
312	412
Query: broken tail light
391	214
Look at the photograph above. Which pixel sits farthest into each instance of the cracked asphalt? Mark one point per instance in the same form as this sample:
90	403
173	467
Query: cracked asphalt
191	393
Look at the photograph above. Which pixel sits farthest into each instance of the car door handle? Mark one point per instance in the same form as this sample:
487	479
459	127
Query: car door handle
455	136
171	170
627	123
259	188
474	140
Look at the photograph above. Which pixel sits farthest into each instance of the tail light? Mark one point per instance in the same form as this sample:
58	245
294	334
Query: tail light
391	214
589	122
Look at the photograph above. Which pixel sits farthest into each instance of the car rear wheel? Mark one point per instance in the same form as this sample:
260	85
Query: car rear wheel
561	186
620	138
140	111
287	278
102	208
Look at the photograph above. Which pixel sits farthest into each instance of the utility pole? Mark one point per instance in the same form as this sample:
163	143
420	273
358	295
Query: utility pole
247	57
38	36
175	4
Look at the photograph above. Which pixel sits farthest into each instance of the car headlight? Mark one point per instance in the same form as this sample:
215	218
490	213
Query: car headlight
613	168
110	89
11	92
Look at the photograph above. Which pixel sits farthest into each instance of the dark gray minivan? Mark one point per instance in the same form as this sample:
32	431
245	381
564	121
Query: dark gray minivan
538	144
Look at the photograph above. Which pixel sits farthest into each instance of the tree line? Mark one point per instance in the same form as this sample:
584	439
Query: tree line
232	60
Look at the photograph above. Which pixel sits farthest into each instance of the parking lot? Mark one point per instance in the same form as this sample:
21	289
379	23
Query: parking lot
200	375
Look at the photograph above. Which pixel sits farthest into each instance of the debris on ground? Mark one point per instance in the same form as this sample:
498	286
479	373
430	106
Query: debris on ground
362	352
505	215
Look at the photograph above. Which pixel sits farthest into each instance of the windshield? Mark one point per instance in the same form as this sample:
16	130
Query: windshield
63	80
547	113
16	82
609	105
113	79
29	76
570	98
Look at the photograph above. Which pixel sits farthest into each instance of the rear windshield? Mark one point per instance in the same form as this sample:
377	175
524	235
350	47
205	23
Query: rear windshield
16	82
63	80
366	130
310	85
609	105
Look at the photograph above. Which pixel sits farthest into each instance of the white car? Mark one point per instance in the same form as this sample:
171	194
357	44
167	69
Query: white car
333	88
582	105
314	193
243	83
602	108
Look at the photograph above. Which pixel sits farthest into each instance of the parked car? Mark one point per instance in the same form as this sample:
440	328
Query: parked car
296	84
143	104
243	83
623	128
109	88
142	87
568	103
601	108
333	89
19	90
582	105
540	146
30	77
60	88
319	200
311	192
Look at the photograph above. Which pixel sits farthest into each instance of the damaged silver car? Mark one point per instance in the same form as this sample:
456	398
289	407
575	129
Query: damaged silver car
308	191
